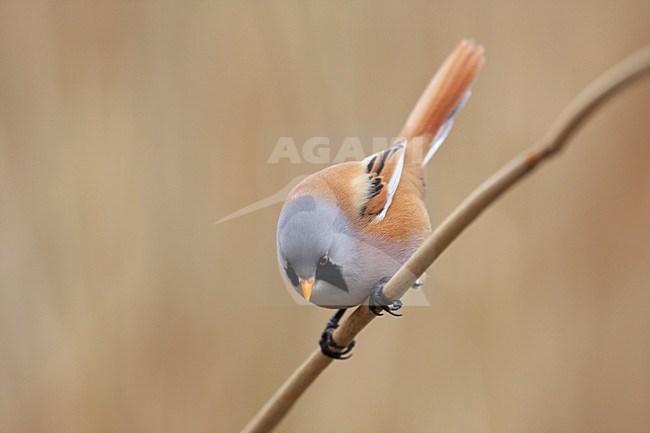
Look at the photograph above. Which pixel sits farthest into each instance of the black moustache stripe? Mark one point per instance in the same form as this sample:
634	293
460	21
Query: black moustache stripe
291	274
331	273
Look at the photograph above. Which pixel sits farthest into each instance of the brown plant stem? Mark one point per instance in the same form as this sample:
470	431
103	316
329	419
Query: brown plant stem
574	115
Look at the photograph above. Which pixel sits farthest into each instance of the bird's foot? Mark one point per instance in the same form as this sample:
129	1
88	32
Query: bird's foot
378	302
327	344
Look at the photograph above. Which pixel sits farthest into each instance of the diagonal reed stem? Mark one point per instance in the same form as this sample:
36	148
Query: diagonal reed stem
567	123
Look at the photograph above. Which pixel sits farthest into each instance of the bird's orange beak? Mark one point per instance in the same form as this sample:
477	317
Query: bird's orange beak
307	286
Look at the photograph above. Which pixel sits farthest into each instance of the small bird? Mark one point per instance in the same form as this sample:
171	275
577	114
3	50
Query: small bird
345	230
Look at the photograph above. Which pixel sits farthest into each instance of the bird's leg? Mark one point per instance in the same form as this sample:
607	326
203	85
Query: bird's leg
327	344
377	302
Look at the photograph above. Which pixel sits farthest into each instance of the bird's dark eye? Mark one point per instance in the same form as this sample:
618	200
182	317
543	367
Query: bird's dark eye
323	260
291	274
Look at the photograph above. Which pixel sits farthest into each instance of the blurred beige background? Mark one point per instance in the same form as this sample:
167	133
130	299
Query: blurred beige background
128	128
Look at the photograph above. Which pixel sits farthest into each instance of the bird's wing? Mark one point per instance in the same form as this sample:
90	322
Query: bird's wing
384	170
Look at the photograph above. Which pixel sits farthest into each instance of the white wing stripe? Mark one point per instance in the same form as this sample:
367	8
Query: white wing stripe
442	134
393	183
444	130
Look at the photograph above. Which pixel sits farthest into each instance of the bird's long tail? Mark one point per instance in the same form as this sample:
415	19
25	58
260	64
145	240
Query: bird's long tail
432	117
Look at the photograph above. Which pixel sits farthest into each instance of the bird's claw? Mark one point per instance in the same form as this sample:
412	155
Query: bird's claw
378	303
328	346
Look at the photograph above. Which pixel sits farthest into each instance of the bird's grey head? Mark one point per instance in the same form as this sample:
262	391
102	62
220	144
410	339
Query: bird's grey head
316	248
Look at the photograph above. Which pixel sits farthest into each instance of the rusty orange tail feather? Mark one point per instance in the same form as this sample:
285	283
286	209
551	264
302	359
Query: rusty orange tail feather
442	96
